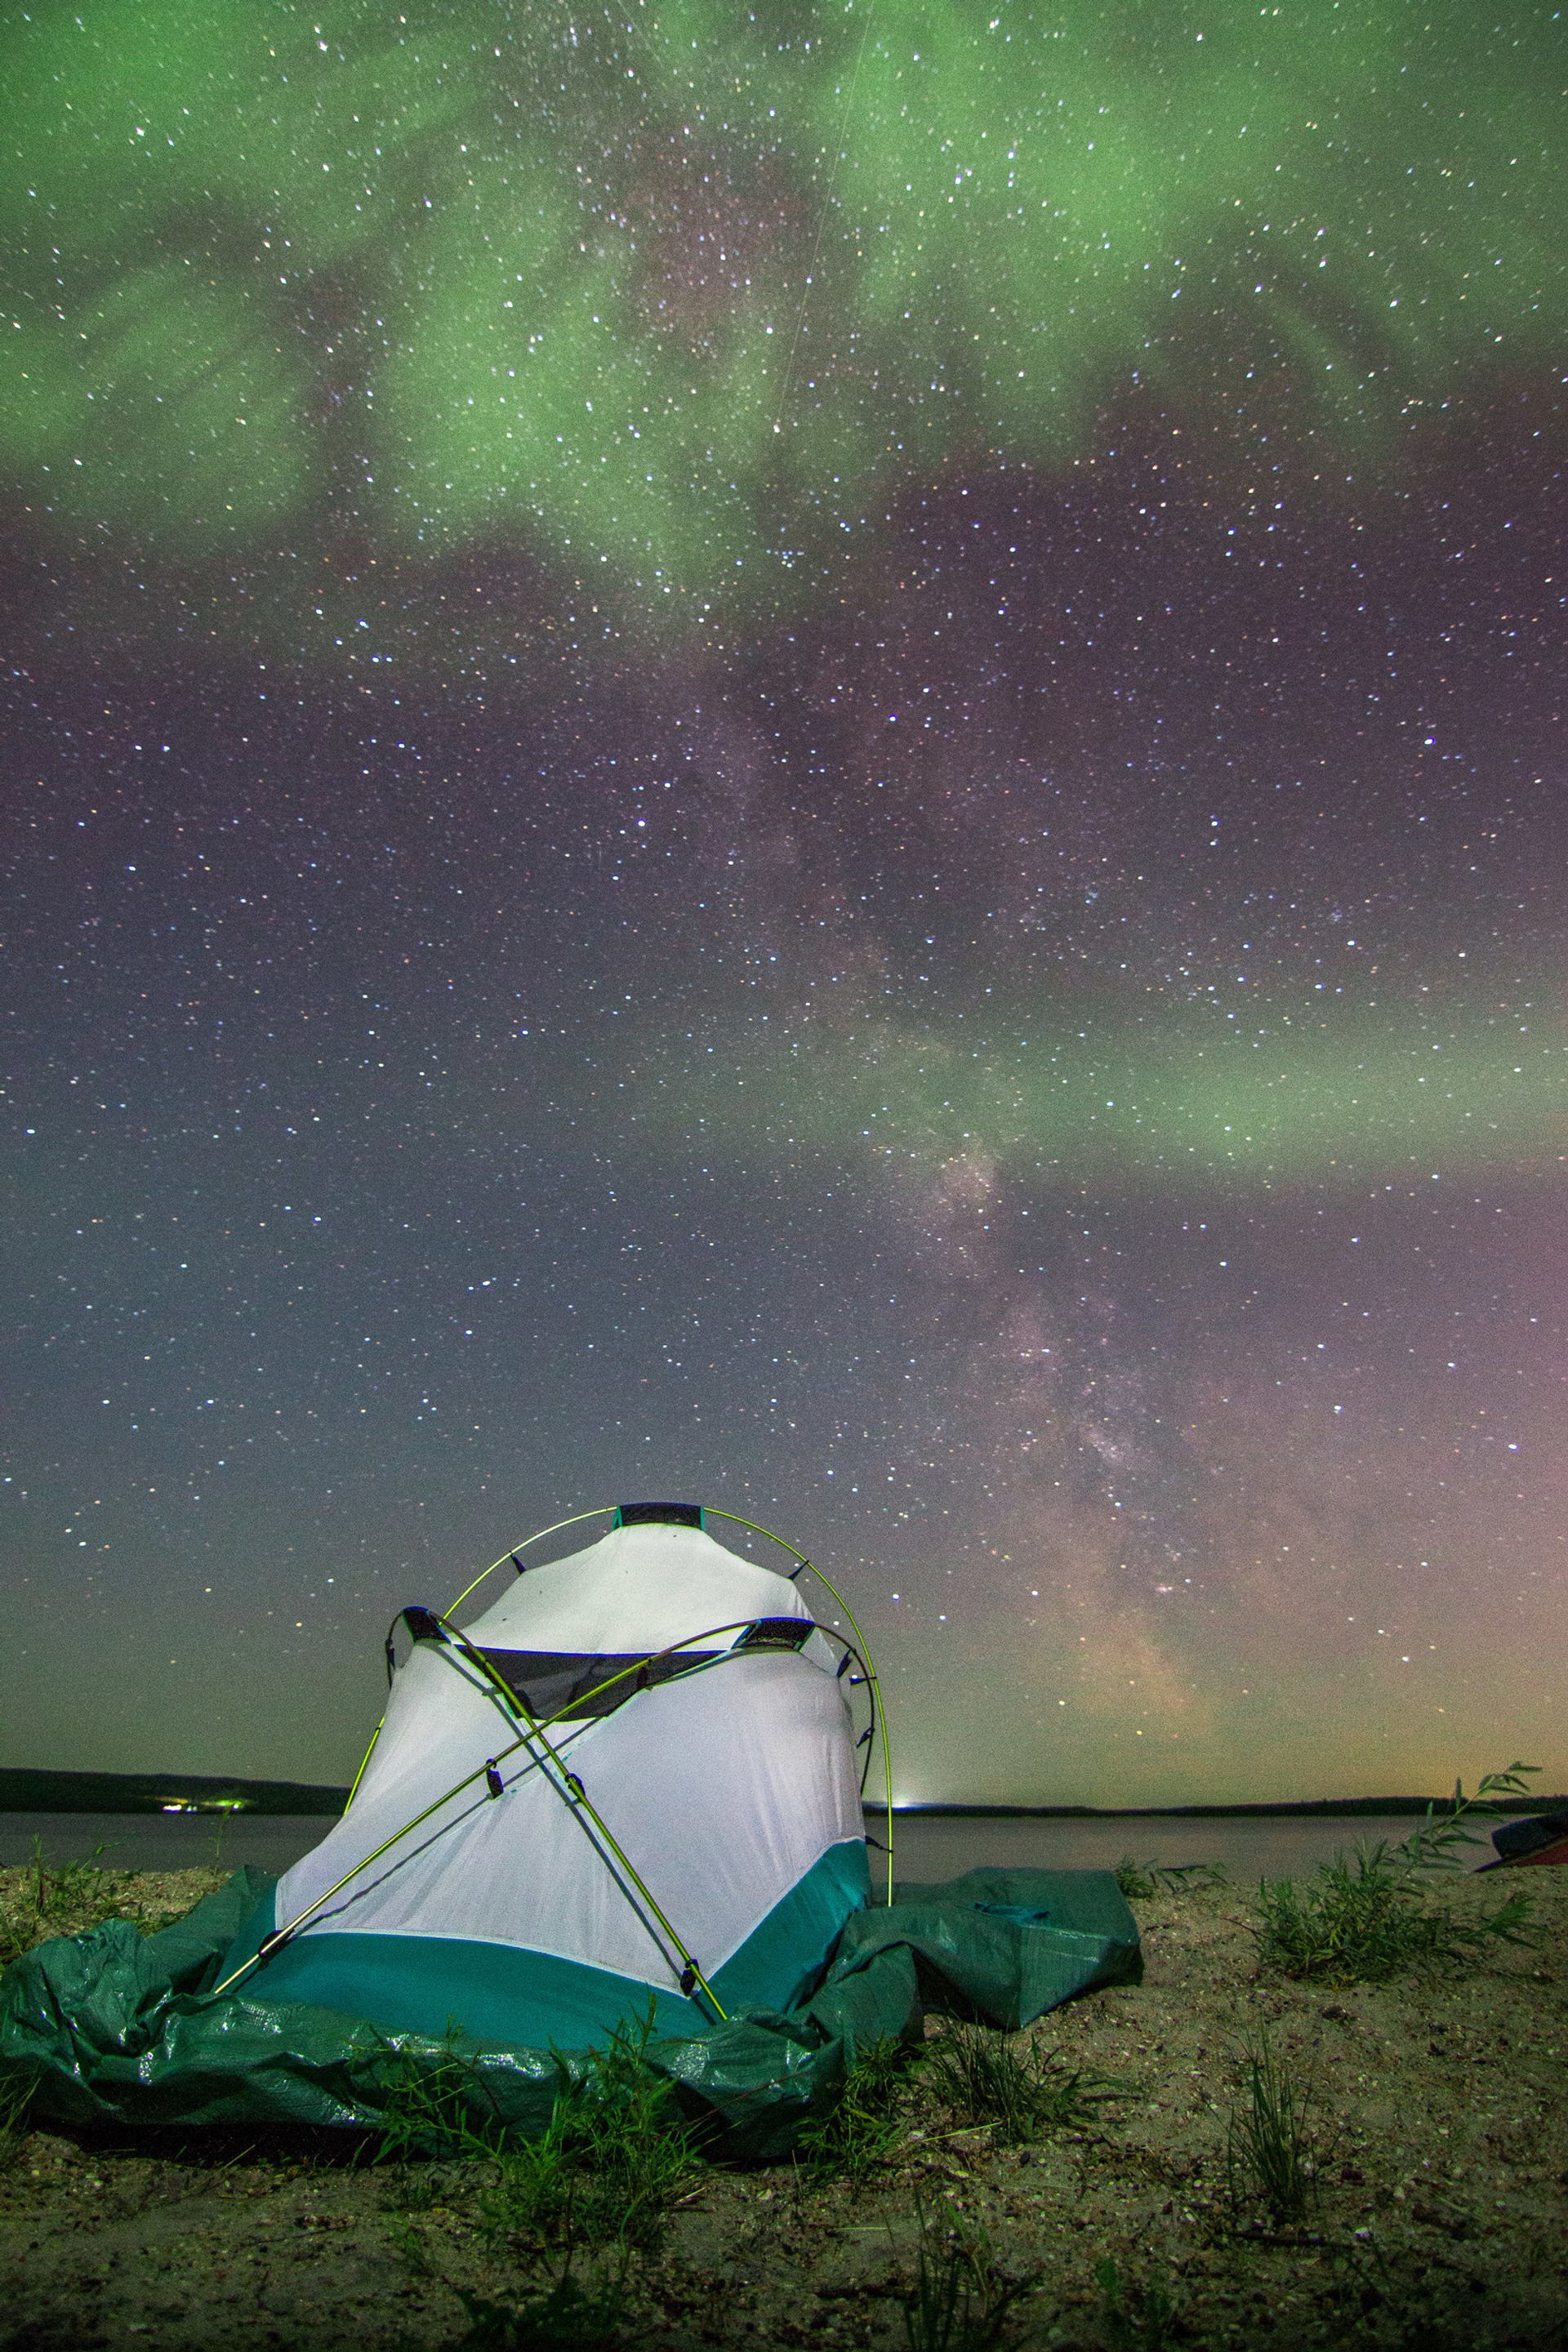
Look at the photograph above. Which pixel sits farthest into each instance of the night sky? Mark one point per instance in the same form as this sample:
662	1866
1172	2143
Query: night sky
811	758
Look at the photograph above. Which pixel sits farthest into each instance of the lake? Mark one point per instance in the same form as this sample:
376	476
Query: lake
926	1846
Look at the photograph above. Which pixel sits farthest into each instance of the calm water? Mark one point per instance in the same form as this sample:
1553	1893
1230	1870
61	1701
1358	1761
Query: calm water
940	1848
162	1841
925	1848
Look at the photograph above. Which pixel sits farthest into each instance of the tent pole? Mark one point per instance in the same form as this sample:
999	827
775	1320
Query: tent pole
538	1537
269	1944
571	1788
712	1511
364	1760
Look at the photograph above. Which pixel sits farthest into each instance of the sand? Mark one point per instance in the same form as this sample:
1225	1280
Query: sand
1436	2220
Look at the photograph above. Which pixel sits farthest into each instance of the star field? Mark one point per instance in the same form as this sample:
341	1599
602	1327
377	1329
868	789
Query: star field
809	757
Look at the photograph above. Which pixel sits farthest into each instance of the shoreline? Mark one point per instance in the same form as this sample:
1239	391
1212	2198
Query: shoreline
27	1789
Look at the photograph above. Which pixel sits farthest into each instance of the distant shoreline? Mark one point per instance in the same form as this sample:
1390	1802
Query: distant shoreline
1304	1809
27	1790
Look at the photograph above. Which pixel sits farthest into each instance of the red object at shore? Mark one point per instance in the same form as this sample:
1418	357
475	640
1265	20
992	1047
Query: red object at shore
1556	1852
1542	1837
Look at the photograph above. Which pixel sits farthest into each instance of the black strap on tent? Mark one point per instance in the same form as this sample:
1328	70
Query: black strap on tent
575	1686
657	1515
777	1633
423	1624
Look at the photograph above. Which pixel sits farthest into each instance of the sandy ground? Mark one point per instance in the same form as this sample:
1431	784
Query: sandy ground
1437	2218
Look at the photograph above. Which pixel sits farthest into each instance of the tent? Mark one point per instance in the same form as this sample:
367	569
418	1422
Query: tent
634	1778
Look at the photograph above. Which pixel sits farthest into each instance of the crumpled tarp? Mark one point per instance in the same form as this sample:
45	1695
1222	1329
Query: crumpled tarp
116	2026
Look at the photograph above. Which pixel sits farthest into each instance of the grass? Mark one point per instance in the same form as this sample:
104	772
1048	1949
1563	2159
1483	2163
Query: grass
864	2128
570	2208
67	1900
1137	2316
960	2301
1436	1845
611	2167
1270	2151
15	2100
438	2111
1014	2085
1141	1881
1368	1919
590	2314
1363	1922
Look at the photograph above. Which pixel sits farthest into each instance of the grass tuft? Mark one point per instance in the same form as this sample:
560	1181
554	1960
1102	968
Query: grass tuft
1141	1881
1013	2085
572	2207
608	2169
1367	1920
1137	2316
439	2111
1271	2152
960	2301
15	2106
612	2165
863	2129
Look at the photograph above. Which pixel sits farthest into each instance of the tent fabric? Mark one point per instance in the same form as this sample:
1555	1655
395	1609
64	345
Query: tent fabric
113	2025
722	1824
507	1992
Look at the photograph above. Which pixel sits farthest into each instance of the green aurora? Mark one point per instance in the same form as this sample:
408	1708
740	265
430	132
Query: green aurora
538	278
1150	1105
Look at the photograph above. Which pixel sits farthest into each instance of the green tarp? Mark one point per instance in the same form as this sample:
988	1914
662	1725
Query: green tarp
116	2026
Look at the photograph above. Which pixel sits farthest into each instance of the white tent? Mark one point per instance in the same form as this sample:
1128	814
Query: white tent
634	1775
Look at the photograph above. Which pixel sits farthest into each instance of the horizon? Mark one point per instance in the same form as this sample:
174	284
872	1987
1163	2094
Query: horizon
175	1785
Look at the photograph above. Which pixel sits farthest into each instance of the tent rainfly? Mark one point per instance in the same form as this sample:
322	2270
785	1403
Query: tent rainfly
632	1778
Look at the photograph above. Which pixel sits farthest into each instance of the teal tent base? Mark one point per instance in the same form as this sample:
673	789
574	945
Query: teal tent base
114	2026
503	1992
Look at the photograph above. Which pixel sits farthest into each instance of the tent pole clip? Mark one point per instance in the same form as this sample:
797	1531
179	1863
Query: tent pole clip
493	1780
572	1782
688	1980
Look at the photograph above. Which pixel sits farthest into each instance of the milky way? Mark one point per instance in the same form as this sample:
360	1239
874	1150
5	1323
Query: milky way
810	759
